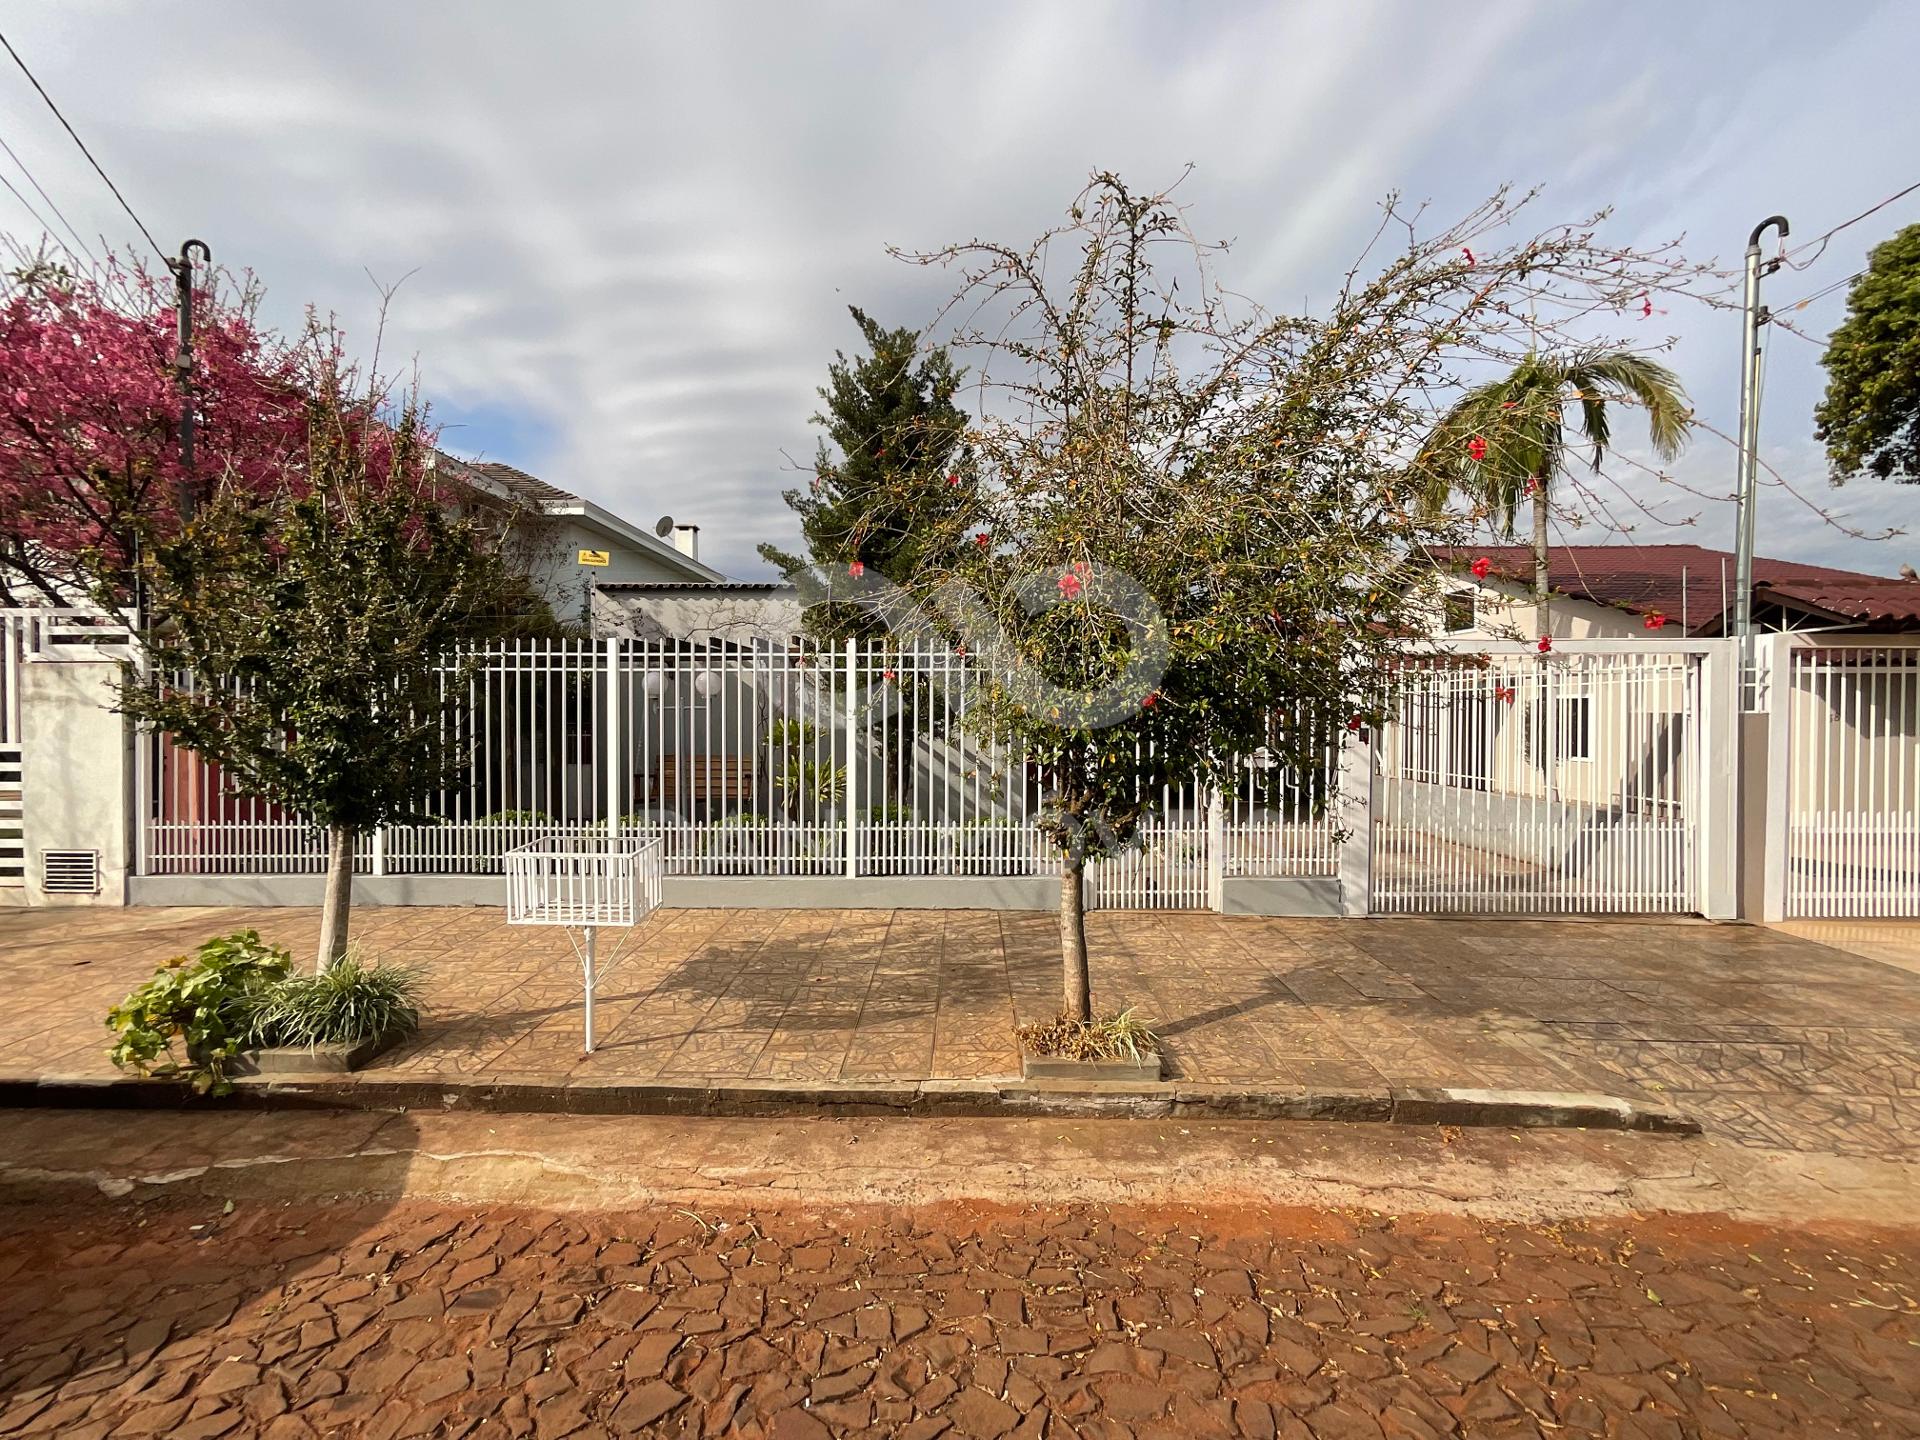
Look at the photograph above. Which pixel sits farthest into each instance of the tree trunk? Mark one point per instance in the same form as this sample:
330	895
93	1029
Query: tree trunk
1077	993
338	900
1542	586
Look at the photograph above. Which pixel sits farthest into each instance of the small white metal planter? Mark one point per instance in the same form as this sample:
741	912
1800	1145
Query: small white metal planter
584	883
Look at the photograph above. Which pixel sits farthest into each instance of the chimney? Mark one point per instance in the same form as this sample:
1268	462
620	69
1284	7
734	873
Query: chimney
686	539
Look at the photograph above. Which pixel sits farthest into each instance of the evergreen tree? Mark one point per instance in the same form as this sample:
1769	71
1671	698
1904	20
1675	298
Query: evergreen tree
1870	415
891	467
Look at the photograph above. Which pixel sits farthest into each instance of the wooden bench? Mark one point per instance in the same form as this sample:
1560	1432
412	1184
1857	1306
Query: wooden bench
710	781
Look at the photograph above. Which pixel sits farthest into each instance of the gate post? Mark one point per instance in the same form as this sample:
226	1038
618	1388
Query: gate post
1717	784
1216	850
1775	824
1354	795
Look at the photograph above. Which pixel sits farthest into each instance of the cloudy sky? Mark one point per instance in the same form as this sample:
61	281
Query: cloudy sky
631	231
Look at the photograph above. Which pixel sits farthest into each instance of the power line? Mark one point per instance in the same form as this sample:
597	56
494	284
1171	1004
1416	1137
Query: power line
1824	290
83	148
1821	240
51	203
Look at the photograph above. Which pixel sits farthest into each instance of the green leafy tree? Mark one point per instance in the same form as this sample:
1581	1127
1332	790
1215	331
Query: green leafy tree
1192	521
297	641
891	465
1869	418
1503	444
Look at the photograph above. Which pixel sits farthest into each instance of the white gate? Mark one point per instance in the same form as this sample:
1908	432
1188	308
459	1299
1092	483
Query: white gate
1852	712
1518	782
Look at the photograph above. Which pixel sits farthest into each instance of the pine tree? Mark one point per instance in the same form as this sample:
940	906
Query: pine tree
890	467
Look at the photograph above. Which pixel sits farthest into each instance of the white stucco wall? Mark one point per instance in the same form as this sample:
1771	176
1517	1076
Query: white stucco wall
567	585
1504	611
76	770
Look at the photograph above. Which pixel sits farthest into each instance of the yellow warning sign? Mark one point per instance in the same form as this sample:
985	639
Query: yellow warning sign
594	557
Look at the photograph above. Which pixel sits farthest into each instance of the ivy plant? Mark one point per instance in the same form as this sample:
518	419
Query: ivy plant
207	1002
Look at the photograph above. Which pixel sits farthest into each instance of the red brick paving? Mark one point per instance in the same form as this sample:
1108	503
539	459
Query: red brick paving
296	1321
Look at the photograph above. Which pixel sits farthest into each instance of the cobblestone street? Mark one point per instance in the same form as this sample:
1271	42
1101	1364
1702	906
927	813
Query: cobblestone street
176	1319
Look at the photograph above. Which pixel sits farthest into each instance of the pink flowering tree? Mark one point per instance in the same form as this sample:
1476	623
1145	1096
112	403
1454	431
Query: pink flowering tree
90	407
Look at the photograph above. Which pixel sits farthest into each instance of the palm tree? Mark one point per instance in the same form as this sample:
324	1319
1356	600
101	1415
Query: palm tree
1506	440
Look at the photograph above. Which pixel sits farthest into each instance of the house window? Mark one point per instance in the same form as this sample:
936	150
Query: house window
1572	737
1575	738
1458	611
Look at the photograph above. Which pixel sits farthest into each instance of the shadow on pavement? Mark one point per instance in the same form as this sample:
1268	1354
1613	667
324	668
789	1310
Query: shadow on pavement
118	1259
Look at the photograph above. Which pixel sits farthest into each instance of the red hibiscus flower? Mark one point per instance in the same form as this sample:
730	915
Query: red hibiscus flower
886	674
1069	584
1546	644
1503	692
953	479
1476	448
1480	567
856	569
1468	253
1353	722
1655	620
982	540
1150	699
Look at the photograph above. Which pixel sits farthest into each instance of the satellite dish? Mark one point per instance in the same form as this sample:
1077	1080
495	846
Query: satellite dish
663	527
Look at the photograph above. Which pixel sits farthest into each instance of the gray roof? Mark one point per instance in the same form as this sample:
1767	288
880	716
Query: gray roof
528	487
737	587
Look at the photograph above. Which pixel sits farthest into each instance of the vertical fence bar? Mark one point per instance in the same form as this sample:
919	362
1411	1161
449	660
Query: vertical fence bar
853	753
611	748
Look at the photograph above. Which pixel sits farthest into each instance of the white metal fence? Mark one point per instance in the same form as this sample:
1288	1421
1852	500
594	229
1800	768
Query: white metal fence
1514	781
741	762
1852	716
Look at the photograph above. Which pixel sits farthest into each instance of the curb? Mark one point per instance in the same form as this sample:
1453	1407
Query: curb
958	1099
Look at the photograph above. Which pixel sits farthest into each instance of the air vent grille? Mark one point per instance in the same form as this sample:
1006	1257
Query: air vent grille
70	872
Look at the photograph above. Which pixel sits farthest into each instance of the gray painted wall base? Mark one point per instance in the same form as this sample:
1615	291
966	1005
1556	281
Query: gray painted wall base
1294	895
763	892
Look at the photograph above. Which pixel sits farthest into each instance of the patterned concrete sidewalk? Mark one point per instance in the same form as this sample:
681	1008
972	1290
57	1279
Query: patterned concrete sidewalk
1768	1038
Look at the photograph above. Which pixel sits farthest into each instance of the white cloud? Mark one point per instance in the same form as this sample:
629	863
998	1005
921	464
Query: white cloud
635	229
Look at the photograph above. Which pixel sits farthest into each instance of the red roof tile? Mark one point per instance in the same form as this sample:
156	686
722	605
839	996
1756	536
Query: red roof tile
1686	581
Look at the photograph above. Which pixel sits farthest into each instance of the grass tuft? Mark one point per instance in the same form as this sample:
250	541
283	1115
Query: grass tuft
1118	1037
355	999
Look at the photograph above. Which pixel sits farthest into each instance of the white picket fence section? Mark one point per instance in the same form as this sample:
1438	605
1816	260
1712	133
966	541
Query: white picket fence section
741	762
1519	782
1852	715
1594	779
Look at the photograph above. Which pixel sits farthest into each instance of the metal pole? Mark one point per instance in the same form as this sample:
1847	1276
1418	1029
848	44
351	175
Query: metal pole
1753	316
587	963
183	359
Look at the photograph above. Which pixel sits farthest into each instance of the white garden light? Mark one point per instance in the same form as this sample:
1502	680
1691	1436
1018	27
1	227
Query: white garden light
584	883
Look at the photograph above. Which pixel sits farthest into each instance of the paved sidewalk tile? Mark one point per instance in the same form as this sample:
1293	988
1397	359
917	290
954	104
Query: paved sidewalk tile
1768	1037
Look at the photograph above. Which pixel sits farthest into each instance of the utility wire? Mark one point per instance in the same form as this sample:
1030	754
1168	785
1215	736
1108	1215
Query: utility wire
83	148
1822	291
1821	240
51	204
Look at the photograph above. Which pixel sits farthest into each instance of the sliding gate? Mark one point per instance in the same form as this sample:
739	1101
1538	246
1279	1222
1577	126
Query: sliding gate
1521	782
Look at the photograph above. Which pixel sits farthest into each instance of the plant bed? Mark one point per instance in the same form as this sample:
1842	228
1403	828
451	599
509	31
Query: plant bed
322	1058
1118	1049
234	1007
